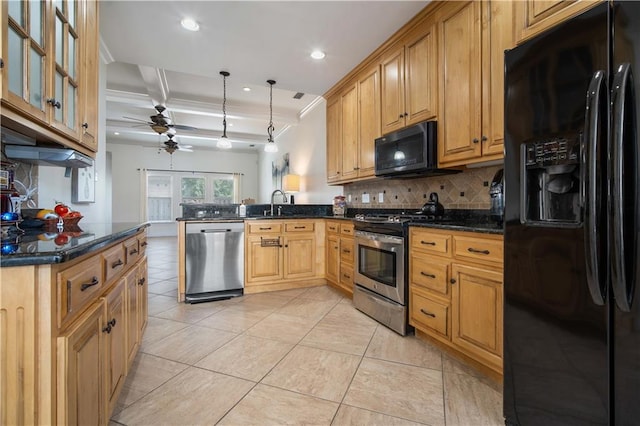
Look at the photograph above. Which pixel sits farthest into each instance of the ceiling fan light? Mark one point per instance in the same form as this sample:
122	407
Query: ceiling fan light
189	24
271	147
159	128
317	54
223	143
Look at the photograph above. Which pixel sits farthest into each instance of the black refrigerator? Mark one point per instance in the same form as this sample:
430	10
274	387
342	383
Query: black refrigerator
571	315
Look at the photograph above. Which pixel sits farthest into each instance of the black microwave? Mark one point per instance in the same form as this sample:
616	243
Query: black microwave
412	151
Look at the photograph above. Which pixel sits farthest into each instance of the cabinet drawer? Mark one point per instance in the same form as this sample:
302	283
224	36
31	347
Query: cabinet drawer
431	273
480	249
333	227
346	228
299	227
430	241
346	276
346	250
132	248
77	287
265	228
113	262
142	243
430	314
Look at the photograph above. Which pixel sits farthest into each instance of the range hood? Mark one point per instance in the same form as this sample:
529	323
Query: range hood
61	157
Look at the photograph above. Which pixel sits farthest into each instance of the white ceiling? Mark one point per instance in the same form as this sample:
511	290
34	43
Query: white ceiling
152	59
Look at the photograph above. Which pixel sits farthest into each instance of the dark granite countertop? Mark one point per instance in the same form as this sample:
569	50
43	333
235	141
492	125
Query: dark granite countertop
37	247
467	226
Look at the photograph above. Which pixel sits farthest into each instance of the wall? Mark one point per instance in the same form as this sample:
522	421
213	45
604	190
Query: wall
53	185
306	146
466	190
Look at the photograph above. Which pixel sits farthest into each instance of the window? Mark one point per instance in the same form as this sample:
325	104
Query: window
166	190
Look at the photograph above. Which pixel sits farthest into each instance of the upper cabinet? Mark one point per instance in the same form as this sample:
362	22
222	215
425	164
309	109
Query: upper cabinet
473	37
50	69
535	16
353	123
409	80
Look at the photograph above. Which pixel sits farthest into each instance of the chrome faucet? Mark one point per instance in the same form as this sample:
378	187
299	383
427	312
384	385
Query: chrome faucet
284	197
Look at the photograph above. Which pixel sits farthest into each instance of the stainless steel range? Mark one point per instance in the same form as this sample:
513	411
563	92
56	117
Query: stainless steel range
381	268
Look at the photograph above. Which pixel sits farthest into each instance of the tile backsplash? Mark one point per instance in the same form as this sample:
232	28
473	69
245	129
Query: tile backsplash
466	190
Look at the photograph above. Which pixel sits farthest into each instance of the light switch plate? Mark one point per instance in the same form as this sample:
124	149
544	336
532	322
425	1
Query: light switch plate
380	197
365	198
349	198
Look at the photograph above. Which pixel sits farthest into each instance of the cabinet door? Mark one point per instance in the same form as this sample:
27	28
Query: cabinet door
116	348
81	369
421	78
143	297
392	93
63	96
477	302
499	17
300	256
89	81
535	16
334	139
133	306
24	53
349	154
333	258
264	264
368	121
460	109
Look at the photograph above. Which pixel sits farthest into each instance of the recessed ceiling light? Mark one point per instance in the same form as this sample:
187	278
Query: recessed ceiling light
189	24
116	133
246	89
317	54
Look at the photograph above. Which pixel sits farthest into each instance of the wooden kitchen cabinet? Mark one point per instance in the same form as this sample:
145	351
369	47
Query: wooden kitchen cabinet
353	124
340	253
473	37
69	333
282	254
456	291
133	307
50	70
409	80
143	296
533	17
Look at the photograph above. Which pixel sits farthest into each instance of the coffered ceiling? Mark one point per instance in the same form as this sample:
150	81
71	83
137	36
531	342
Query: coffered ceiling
153	60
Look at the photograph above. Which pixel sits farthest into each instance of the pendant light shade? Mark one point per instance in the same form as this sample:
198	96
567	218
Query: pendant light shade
271	145
224	142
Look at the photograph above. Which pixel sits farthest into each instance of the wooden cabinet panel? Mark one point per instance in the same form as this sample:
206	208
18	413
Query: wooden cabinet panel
334	139
133	306
346	250
392	95
478	249
113	262
116	342
333	227
346	277
368	121
346	229
421	79
264	264
77	286
431	273
298	227
333	258
89	84
81	384
535	16
132	250
429	241
350	133
477	311
143	297
300	255
459	127
264	228
429	313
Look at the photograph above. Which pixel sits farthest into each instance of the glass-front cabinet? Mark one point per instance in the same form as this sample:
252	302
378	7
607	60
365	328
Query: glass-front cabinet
49	68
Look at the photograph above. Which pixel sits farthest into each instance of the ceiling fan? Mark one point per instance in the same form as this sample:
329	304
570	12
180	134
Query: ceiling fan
172	146
161	123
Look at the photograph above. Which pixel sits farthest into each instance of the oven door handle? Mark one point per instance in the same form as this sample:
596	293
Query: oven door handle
369	236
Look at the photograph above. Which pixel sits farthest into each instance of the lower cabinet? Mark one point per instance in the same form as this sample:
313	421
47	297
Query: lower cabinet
456	291
282	254
116	339
340	253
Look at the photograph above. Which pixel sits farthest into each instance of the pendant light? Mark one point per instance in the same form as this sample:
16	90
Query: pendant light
271	145
224	142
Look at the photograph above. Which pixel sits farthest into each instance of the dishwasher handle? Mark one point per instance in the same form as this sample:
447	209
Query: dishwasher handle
211	231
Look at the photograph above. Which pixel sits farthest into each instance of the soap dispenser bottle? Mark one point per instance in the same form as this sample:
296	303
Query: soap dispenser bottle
242	210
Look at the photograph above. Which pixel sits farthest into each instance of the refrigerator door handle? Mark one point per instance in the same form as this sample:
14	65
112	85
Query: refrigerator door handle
622	255
592	130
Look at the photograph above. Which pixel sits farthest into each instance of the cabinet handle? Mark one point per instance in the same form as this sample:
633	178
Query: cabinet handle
107	329
141	281
427	275
112	323
117	263
452	280
134	251
85	126
54	103
472	250
265	229
428	243
476	140
346	275
401	115
406	114
94	281
484	138
346	251
144	244
299	227
427	313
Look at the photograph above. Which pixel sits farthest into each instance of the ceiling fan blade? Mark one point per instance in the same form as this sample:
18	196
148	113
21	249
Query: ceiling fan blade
183	149
137	119
183	127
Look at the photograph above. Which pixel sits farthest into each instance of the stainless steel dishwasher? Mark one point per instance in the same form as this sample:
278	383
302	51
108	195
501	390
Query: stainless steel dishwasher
214	261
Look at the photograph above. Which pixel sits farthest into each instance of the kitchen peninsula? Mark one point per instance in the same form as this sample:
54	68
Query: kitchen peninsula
72	316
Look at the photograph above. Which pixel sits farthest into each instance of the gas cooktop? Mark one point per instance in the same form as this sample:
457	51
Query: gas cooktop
399	218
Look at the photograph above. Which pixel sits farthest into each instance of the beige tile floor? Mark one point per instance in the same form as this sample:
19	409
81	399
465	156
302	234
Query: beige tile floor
297	357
